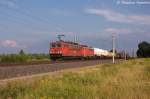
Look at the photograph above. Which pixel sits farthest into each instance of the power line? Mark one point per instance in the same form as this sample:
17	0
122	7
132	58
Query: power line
20	22
28	13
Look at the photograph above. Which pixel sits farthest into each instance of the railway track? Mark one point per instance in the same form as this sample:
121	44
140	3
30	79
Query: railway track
19	70
37	63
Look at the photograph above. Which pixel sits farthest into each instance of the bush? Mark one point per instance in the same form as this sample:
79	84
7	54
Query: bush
40	56
14	58
22	57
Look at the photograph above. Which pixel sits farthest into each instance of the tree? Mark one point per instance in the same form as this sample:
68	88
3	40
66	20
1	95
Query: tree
21	52
144	49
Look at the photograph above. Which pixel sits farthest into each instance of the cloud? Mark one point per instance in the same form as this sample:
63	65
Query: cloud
117	30
118	17
9	43
8	3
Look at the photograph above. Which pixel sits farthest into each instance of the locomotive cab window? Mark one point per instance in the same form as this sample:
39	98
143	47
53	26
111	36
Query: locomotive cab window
58	45
53	45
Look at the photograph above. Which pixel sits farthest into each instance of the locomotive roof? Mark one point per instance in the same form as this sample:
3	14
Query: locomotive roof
69	42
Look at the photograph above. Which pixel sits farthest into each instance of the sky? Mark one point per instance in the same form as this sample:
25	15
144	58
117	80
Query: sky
32	24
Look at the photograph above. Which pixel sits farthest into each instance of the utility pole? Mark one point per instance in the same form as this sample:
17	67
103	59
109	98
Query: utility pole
132	53
113	45
125	55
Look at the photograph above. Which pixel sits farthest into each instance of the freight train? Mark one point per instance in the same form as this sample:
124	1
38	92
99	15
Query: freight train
65	50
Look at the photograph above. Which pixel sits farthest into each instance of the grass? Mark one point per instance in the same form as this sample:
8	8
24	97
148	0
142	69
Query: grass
124	80
15	58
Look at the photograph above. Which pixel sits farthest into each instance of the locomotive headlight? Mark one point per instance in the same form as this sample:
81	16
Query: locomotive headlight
59	52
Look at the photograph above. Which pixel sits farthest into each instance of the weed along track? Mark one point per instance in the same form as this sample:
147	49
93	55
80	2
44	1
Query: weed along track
18	71
34	63
41	62
123	80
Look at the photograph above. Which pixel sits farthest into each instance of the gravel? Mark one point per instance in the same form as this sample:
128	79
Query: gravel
18	71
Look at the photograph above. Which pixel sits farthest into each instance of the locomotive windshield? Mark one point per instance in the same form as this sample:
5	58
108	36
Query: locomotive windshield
58	45
52	45
55	45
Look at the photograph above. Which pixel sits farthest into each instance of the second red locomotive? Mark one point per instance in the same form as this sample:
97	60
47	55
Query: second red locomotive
70	50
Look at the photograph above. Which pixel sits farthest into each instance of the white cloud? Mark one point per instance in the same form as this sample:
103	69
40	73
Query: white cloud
9	43
118	17
117	30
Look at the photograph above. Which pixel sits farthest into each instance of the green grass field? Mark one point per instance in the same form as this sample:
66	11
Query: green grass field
20	58
125	80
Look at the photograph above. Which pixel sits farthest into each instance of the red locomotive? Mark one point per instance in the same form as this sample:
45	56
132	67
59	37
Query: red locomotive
71	50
